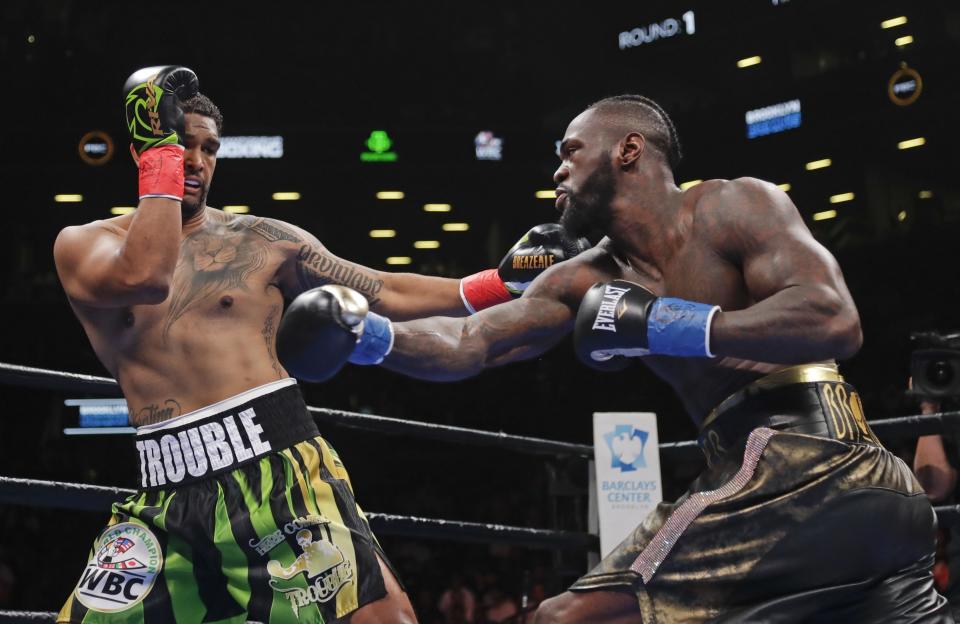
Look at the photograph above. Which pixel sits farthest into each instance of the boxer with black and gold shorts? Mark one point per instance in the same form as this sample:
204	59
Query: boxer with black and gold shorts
800	515
245	512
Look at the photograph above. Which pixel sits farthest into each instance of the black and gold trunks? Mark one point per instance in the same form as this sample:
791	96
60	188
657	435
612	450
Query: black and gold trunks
800	516
245	513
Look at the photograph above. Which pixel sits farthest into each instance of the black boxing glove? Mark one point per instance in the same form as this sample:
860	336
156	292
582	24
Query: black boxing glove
151	96
621	318
155	122
325	327
539	249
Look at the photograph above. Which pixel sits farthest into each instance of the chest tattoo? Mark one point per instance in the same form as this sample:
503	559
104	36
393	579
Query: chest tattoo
213	260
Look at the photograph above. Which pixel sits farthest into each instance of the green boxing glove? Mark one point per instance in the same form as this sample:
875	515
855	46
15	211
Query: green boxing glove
150	99
155	120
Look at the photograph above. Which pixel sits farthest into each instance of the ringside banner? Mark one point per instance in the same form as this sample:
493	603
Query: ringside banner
627	454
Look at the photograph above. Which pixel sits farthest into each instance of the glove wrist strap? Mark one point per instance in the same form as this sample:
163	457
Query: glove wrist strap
161	172
376	341
483	290
680	327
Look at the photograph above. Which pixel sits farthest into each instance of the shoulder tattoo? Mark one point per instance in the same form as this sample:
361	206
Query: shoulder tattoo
274	231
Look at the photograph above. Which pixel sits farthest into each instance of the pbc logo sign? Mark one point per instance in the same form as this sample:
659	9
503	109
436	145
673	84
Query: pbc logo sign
626	446
122	570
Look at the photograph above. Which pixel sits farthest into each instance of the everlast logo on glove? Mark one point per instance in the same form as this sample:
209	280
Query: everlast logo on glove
606	316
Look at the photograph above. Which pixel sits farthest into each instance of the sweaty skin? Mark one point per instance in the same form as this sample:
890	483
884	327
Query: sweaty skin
181	303
739	244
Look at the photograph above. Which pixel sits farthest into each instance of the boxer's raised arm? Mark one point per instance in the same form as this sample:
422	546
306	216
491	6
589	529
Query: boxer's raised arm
101	265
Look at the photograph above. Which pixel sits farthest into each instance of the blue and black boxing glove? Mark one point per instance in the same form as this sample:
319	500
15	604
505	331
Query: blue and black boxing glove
623	319
324	328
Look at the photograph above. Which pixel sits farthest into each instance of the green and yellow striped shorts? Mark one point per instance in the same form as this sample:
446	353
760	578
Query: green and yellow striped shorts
228	529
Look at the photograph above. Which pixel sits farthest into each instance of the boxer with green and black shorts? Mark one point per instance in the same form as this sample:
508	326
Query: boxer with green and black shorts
245	512
182	303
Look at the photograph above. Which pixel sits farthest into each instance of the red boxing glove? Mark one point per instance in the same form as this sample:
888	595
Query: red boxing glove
482	290
161	172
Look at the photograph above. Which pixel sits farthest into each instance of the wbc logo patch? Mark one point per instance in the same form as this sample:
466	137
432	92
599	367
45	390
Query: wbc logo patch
124	566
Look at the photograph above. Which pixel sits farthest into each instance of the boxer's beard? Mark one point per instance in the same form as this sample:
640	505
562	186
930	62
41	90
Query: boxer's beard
588	212
189	208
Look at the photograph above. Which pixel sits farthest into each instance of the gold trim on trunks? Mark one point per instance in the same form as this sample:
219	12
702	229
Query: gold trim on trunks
804	373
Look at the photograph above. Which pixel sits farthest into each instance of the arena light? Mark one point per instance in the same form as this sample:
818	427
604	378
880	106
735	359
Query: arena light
551	194
389	194
903	41
379	144
437	207
925	194
488	146
750	61
826	214
426	244
907	144
383	233
773	119
841	197
902	216
399	260
121	210
893	22
689	184
237	209
456	227
286	196
250	147
68	198
818	164
785	187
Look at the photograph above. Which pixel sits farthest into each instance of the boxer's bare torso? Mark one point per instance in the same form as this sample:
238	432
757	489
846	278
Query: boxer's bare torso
213	336
727	247
700	268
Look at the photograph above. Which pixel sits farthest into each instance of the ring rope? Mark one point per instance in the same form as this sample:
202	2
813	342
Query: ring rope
81	496
40	616
27	616
17	375
888	428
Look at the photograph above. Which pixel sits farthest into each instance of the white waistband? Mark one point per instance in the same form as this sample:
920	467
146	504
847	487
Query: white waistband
220	406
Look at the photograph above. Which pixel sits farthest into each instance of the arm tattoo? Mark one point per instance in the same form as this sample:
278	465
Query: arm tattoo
154	413
315	268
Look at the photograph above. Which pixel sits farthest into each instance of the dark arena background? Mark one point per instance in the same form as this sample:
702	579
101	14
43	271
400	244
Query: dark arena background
851	107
